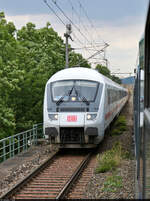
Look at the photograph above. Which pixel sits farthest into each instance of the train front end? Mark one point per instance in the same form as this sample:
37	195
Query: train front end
71	117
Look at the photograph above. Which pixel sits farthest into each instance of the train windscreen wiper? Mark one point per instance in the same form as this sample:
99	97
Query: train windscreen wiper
85	100
82	97
62	98
69	93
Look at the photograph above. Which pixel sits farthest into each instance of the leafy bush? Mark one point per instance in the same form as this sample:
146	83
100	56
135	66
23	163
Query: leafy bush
109	160
121	121
119	126
112	183
116	132
123	128
127	155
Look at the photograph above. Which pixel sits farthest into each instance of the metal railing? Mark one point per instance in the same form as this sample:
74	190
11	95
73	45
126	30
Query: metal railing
15	144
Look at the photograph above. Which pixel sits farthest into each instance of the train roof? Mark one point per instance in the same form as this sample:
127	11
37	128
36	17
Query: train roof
81	73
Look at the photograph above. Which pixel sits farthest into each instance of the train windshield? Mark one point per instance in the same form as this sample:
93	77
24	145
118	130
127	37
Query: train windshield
77	88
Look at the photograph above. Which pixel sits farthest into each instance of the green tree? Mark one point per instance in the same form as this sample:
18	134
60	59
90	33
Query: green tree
42	55
116	79
77	60
105	71
28	58
9	77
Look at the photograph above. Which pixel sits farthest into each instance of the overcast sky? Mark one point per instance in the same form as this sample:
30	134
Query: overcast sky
120	23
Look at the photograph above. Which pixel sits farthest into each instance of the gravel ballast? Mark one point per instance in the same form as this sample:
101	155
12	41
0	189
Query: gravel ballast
13	170
126	170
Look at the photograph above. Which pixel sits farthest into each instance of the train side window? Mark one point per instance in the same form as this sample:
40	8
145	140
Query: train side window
108	95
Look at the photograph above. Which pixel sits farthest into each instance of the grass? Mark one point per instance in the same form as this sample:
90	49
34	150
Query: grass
110	159
120	126
112	183
127	155
120	121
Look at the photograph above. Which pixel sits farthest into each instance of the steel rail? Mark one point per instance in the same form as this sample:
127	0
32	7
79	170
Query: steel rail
74	177
65	189
19	185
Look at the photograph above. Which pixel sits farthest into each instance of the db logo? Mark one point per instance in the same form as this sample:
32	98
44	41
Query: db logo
71	118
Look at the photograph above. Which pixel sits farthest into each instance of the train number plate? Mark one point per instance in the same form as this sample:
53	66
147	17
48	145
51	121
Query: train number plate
71	118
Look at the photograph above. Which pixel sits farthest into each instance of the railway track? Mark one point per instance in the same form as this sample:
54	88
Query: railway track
78	189
57	178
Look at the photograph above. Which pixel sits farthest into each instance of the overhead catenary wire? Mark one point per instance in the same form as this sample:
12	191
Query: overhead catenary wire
90	21
76	27
73	23
81	43
95	54
83	26
92	25
45	1
80	19
70	20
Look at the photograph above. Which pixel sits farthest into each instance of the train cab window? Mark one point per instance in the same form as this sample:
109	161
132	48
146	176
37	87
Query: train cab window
87	89
61	88
77	88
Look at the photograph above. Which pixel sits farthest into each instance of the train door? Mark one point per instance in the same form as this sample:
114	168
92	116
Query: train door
146	151
138	126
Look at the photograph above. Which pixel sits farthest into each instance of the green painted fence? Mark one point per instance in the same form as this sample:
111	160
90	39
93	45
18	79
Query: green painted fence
15	144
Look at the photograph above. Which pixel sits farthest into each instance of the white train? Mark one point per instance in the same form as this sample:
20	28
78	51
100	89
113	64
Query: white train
79	104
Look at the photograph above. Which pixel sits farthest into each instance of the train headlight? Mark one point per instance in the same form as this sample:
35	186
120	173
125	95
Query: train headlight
91	116
53	116
73	98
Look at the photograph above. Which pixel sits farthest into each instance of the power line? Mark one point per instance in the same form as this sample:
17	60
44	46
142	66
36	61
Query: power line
80	19
80	42
87	31
77	38
70	20
45	1
73	22
88	48
90	21
58	7
93	55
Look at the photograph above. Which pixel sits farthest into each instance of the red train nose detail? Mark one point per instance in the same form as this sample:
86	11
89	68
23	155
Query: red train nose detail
71	118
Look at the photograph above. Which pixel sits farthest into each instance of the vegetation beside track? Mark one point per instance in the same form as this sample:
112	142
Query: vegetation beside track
110	161
120	126
112	183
